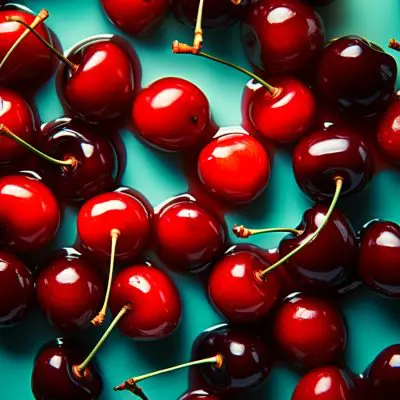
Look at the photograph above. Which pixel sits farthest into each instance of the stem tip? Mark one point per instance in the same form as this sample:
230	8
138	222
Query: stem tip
241	231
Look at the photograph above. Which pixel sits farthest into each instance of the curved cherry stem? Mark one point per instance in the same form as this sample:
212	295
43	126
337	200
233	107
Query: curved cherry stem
310	238
242	232
39	19
394	44
99	318
198	31
59	55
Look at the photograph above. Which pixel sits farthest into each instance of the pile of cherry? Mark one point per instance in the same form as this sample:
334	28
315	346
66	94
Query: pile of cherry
279	304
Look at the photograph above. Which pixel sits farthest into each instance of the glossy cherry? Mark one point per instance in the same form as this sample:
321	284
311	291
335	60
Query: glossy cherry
309	331
172	114
282	35
322	156
356	75
389	132
16	289
234	167
155	302
326	383
379	264
199	394
29	213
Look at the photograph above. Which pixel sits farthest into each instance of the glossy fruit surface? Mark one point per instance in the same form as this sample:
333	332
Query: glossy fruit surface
199	395
389	132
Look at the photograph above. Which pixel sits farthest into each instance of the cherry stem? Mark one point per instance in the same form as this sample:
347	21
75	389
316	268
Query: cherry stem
310	238
394	44
69	162
131	383
236	2
242	232
99	318
59	55
198	31
41	17
79	369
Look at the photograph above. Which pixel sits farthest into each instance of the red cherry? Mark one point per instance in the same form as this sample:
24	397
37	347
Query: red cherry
137	17
29	213
282	35
16	289
199	395
155	302
309	331
234	167
172	114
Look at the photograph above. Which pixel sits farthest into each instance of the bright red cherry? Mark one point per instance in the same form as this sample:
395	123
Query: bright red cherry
155	302
309	331
199	394
16	289
282	35
235	167
172	114
29	213
137	17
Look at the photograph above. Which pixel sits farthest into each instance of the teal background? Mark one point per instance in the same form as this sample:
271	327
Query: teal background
373	322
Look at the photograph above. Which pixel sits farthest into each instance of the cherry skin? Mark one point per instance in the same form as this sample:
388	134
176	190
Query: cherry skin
326	383
282	35
238	292
322	156
379	264
172	114
199	395
309	331
357	76
188	237
114	210
16	289
234	167
138	17
29	213
284	116
94	172
156	305
53	377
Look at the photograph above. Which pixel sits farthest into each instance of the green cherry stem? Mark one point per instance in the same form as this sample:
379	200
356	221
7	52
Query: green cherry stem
242	232
198	31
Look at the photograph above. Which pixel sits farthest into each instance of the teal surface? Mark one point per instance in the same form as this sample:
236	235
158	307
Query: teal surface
373	322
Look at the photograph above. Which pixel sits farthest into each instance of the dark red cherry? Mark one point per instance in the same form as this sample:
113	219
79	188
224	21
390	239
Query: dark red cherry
53	377
322	156
235	167
188	236
309	331
247	360
93	173
379	262
283	116
330	260
282	35
199	395
114	211
172	114
356	75
16	289
137	17
155	302
326	383
29	213
70	292
238	291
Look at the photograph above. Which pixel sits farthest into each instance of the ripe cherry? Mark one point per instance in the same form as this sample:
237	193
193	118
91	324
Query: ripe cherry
16	289
309	331
199	394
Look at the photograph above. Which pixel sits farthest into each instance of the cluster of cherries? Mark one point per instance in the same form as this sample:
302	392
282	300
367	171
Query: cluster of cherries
275	301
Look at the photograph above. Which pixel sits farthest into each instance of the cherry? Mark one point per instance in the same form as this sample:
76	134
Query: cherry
70	292
29	213
383	375
138	17
155	302
235	167
309	331
188	237
16	288
199	394
238	290
356	75
282	35
379	264
172	114
322	157
326	383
